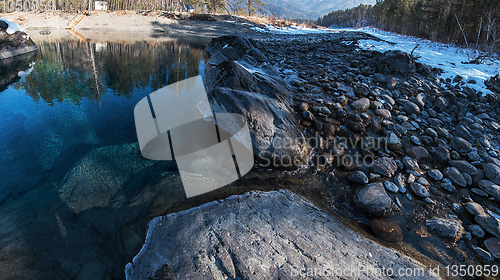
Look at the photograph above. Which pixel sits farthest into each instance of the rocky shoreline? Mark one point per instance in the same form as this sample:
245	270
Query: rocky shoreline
409	160
406	153
438	158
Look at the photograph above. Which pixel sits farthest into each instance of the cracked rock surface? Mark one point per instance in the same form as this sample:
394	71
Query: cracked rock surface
257	235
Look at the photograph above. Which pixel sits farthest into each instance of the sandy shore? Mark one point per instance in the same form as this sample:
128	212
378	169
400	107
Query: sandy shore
130	21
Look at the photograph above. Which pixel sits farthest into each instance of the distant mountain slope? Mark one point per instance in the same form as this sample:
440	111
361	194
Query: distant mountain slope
304	9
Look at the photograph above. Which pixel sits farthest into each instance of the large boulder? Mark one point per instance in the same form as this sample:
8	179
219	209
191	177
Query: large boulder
259	235
14	40
243	84
396	62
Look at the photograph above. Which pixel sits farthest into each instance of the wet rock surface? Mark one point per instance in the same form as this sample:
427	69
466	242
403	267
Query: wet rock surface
387	229
259	236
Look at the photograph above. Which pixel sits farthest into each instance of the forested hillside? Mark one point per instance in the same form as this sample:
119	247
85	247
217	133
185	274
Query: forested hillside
289	9
432	19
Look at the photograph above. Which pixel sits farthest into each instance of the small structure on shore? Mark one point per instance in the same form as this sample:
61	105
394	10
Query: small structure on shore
100	5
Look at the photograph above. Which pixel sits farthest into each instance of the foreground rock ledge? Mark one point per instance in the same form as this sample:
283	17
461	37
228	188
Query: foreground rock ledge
259	235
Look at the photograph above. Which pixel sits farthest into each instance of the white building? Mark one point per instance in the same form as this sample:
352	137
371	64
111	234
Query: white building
100	5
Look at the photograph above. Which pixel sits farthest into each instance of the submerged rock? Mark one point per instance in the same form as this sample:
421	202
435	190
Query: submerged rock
373	200
387	229
256	236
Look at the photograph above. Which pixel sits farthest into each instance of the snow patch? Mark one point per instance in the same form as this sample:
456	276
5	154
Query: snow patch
444	56
292	30
13	27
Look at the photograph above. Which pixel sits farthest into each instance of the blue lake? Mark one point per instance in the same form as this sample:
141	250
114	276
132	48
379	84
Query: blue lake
76	95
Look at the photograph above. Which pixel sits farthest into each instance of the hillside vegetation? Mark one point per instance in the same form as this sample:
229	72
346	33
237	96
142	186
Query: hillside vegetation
439	20
286	9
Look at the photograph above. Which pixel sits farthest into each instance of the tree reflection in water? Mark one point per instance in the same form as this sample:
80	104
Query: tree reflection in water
70	71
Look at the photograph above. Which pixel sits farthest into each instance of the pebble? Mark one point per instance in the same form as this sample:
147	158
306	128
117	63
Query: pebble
490	188
402	118
384	166
448	187
489	224
454	174
429	201
435	174
399	180
308	115
492	172
423	181
483	255
398	202
323	111
475	209
479	192
411	108
476	231
376	105
464	166
411	179
447	228
361	104
414	139
493	245
383	113
419	190
410	163
358	177
461	145
390	186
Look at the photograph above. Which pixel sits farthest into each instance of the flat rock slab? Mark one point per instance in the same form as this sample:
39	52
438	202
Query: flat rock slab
258	235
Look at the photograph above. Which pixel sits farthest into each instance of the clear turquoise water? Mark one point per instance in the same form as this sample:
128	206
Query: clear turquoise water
75	96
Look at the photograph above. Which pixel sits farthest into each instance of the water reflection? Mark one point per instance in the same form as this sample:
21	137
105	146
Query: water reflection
78	94
12	69
72	70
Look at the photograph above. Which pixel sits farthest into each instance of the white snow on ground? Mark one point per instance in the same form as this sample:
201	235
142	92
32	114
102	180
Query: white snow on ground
444	56
297	29
13	27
